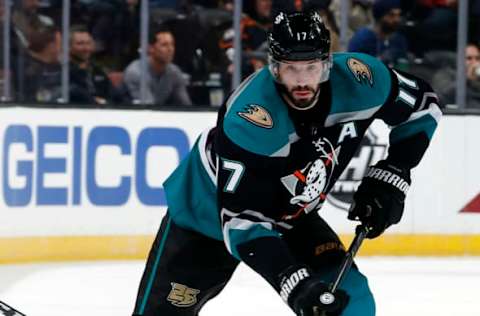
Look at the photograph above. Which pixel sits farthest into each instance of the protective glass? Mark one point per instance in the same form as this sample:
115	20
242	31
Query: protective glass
291	73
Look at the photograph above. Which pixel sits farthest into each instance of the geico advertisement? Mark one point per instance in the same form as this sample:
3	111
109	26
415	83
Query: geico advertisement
60	166
48	163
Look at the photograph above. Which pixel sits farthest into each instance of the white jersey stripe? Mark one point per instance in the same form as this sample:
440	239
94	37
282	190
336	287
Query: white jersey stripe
202	142
336	118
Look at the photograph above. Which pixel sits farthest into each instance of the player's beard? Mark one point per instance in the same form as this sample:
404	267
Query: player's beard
309	121
302	104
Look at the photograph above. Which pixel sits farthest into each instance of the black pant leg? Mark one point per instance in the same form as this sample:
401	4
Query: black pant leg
184	270
315	243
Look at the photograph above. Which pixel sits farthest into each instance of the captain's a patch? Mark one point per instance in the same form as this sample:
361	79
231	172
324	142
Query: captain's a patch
257	115
360	70
182	295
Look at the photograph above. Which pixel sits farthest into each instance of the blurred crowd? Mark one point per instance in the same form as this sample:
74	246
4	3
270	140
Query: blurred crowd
190	46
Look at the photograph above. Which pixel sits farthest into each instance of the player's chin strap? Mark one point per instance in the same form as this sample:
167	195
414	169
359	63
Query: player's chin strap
360	233
7	310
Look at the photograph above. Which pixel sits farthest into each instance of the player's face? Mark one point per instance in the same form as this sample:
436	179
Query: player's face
302	79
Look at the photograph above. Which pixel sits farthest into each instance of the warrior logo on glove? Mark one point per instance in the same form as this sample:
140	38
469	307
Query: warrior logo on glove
308	184
380	198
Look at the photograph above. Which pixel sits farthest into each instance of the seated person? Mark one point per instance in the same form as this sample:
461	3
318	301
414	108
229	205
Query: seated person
38	76
383	39
444	79
89	84
166	84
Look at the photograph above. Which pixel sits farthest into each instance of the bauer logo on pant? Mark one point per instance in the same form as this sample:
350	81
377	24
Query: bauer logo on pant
182	296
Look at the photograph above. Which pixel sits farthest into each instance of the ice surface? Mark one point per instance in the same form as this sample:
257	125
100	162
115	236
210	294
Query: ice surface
402	286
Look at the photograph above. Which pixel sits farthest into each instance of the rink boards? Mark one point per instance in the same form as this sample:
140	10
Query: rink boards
87	184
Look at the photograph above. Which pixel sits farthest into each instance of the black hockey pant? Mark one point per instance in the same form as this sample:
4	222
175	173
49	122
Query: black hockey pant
185	269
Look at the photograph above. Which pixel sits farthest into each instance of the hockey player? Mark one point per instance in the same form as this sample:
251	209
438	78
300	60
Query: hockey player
251	188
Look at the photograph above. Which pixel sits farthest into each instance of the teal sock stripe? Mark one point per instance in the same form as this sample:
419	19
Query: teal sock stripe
154	269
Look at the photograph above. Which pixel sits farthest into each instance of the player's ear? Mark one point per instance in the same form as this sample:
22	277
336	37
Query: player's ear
274	70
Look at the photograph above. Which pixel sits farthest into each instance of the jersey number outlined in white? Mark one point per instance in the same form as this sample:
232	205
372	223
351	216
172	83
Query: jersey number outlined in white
236	169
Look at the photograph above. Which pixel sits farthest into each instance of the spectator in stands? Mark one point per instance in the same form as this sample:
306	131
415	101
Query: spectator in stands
27	19
190	31
166	84
360	14
474	21
39	78
226	5
114	25
435	26
444	79
328	17
383	39
89	84
255	24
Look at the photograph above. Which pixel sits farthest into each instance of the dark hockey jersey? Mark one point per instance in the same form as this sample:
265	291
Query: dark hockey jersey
254	176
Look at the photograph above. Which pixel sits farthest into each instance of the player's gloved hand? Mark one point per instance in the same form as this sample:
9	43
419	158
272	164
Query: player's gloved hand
308	295
380	198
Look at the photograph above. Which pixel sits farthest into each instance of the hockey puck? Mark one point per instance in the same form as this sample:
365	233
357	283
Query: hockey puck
327	298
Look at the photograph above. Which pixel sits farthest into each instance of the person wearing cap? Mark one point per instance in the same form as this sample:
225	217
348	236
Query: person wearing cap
382	40
252	189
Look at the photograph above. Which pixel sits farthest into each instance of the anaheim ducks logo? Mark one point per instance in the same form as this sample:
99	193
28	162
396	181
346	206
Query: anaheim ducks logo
309	184
257	115
182	296
360	70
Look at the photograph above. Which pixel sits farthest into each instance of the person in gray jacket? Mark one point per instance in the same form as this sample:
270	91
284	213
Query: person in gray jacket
444	79
166	83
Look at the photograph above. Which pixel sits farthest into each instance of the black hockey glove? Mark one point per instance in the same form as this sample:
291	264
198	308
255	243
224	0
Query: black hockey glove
379	200
303	292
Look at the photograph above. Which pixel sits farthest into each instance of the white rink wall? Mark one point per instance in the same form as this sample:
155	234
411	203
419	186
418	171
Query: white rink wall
91	180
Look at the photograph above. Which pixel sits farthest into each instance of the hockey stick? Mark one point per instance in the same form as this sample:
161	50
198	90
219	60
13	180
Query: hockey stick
8	310
360	233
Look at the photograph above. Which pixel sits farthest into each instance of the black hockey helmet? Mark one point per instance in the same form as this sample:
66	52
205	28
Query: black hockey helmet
299	36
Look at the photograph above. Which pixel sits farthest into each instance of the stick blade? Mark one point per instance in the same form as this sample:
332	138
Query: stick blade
7	310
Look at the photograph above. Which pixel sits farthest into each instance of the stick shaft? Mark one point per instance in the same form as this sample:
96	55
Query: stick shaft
361	233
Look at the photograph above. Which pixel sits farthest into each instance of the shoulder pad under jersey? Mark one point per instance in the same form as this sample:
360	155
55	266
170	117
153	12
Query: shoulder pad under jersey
360	84
257	118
